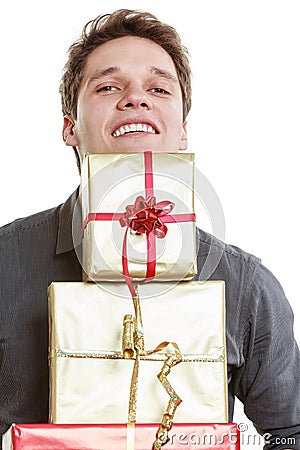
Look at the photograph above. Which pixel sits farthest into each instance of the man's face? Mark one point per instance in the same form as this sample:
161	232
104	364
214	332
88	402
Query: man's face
129	101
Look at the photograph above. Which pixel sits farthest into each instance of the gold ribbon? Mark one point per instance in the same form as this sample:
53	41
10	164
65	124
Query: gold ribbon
127	337
218	357
133	344
167	418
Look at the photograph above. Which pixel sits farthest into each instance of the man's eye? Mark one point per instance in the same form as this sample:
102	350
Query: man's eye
159	90
106	89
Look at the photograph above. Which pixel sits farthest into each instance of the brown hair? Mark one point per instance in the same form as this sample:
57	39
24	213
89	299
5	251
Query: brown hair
123	22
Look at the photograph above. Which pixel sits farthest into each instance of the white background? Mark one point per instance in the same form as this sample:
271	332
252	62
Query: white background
243	127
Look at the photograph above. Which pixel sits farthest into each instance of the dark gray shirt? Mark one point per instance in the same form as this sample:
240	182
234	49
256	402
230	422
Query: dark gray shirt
263	357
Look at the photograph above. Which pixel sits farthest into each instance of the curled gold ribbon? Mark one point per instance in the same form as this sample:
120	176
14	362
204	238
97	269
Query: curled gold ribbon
167	418
136	342
127	337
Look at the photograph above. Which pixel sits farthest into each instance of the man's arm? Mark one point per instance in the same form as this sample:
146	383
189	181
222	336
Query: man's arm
270	380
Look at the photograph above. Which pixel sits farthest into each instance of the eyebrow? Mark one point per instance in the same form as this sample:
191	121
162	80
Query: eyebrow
103	73
163	73
114	69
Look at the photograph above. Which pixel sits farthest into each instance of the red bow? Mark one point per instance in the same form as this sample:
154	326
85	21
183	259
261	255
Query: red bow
144	216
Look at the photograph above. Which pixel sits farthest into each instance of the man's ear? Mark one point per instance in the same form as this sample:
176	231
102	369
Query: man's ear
68	132
183	139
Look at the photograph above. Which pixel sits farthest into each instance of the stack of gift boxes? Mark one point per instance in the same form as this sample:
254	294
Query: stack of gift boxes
137	350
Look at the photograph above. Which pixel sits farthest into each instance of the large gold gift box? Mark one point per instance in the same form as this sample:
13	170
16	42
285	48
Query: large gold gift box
142	190
90	378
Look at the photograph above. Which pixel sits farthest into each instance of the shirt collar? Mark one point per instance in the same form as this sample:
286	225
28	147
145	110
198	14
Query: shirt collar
69	225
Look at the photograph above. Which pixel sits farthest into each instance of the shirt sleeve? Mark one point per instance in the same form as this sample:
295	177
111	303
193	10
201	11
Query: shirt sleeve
269	383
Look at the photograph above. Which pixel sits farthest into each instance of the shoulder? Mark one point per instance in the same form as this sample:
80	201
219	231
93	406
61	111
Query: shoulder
219	259
32	222
44	230
252	290
209	243
244	273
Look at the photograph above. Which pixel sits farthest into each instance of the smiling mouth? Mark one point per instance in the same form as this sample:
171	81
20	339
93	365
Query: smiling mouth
134	128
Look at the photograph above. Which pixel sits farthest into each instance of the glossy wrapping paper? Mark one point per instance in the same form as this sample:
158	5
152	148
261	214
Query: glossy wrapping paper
114	437
111	182
89	376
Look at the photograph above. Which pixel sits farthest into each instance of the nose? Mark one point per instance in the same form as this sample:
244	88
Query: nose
134	98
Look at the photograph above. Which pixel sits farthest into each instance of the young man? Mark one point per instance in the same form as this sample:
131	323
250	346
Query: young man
126	88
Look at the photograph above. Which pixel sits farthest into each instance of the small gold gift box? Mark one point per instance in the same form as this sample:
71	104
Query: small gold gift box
139	209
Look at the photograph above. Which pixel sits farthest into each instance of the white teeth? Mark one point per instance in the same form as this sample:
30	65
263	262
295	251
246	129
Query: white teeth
132	128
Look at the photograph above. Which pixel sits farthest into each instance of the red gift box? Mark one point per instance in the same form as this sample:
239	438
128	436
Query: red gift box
223	436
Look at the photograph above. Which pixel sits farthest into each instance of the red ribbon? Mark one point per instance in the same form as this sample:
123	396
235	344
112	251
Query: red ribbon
144	216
